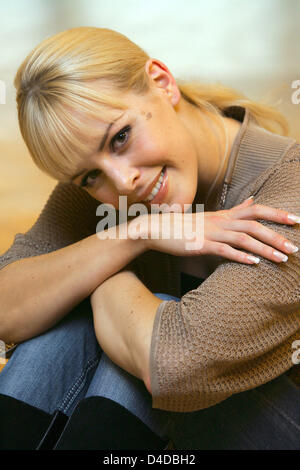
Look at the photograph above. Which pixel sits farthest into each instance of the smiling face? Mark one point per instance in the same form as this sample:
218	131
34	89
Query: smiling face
132	150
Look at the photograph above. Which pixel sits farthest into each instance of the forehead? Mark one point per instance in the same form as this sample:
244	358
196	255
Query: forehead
91	126
87	128
130	99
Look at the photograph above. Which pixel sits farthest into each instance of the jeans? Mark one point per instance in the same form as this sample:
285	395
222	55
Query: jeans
57	369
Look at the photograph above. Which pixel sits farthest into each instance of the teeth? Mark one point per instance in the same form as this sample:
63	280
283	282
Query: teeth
156	187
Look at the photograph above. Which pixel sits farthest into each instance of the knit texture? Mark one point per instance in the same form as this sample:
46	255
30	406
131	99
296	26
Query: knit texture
235	331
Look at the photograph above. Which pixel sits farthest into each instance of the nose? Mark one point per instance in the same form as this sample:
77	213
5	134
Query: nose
123	175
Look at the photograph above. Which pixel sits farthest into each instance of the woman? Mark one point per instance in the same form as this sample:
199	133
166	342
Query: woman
106	121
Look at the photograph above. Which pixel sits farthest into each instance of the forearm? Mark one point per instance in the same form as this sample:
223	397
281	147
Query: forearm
37	292
124	311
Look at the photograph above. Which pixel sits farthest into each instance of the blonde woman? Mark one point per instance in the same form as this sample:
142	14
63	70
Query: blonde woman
100	355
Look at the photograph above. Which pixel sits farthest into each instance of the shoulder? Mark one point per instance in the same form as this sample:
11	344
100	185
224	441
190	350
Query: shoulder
69	210
282	178
67	194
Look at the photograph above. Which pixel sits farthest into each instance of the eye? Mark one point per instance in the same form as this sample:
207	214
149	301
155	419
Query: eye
89	178
120	139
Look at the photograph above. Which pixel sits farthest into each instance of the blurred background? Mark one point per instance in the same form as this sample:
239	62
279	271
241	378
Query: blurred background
252	46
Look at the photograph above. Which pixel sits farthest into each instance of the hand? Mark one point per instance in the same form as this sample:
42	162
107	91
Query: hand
223	230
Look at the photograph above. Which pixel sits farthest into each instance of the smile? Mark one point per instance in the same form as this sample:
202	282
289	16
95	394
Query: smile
157	187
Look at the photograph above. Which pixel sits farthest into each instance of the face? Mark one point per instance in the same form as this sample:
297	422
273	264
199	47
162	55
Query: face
145	144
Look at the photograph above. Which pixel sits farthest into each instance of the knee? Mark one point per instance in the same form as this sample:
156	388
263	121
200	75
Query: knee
65	340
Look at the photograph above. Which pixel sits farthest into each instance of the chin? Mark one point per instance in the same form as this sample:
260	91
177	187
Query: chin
184	204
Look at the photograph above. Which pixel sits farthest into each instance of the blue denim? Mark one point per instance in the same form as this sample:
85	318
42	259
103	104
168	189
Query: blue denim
53	371
57	369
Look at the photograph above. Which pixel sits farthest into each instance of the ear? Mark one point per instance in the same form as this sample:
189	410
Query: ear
162	78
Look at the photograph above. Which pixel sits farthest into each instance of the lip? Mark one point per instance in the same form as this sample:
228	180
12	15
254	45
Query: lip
150	187
159	197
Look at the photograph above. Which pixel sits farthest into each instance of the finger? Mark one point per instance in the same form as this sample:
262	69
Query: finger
263	233
245	241
246	203
228	252
259	211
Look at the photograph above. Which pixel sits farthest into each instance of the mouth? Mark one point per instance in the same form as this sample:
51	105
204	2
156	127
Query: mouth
159	189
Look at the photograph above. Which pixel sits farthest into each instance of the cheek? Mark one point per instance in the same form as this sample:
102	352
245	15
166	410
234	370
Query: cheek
183	178
152	145
106	195
148	150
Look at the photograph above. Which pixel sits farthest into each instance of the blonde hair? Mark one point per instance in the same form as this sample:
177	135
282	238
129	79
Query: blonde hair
54	79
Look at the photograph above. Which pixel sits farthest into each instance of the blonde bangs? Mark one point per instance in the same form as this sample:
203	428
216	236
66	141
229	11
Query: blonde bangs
53	130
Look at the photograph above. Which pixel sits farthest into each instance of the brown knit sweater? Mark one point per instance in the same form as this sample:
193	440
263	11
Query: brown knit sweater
231	331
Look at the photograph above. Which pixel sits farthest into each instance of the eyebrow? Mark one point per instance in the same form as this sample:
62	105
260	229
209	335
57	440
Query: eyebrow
105	137
102	143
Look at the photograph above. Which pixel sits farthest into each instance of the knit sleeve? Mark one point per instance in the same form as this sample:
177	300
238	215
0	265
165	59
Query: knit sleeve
69	215
236	330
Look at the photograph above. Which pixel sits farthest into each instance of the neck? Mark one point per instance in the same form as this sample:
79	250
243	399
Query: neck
208	132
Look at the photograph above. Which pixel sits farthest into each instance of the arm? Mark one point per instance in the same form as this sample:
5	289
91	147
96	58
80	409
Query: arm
124	322
38	290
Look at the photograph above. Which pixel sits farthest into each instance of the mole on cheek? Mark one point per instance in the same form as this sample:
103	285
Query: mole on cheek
148	116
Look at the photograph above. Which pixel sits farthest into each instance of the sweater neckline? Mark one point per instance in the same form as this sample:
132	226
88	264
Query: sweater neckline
253	151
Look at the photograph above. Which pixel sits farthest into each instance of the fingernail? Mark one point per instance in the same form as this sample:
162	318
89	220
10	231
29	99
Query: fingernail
251	197
294	218
292	248
280	256
254	259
